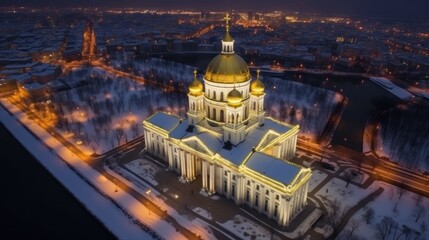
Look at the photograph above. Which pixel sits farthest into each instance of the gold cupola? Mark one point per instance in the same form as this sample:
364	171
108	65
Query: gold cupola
257	87
196	87
227	67
234	98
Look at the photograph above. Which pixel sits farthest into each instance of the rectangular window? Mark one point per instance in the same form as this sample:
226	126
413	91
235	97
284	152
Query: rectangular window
226	173
233	177
266	205
277	197
267	192
257	200
248	195
225	186
233	190
276	209
257	187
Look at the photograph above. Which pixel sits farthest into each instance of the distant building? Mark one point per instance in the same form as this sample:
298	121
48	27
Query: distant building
89	46
229	142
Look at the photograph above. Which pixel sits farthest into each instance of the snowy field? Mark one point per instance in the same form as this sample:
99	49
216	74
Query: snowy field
316	179
348	196
296	103
145	169
407	216
108	111
402	136
246	229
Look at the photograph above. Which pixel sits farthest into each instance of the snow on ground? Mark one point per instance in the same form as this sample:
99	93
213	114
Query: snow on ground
202	213
391	87
190	222
108	111
316	179
348	196
246	229
359	177
310	107
95	200
144	168
403	211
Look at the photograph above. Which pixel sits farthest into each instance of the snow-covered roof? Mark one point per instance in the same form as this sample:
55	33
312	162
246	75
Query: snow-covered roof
272	167
237	154
164	121
32	86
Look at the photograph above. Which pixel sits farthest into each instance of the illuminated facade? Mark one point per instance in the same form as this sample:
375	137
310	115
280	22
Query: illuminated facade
228	142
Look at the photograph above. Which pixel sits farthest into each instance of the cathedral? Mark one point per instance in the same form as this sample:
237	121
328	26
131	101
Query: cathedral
229	142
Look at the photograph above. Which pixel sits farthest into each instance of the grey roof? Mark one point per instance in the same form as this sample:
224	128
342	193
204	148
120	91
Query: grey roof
272	167
164	120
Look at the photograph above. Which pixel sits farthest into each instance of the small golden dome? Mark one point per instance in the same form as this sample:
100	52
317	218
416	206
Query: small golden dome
196	87
234	97
227	68
257	87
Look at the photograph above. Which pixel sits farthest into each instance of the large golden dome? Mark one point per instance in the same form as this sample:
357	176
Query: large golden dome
227	68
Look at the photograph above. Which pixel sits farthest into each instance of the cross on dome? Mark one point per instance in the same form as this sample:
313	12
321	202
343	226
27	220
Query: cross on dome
227	18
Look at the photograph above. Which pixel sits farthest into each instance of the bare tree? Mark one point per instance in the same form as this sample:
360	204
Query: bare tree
335	215
423	227
135	127
350	230
118	133
419	211
401	191
368	216
387	229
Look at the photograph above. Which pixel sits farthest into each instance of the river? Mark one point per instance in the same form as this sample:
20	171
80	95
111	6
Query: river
34	205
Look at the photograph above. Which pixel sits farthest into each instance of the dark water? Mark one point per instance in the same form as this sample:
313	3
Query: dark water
34	205
365	100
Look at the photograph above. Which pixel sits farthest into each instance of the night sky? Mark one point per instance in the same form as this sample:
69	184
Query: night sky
373	8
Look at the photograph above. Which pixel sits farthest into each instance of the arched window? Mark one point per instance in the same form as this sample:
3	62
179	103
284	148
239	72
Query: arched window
214	95
214	113
221	96
193	105
237	118
208	111
232	118
254	105
221	116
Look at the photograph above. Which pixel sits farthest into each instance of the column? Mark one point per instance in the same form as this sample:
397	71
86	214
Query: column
170	157
212	178
204	174
192	158
182	164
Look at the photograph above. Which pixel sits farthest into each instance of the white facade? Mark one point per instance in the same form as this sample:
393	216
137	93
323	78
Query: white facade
229	143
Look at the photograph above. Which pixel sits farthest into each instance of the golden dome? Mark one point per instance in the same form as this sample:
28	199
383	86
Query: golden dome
234	98
227	68
196	87
257	87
